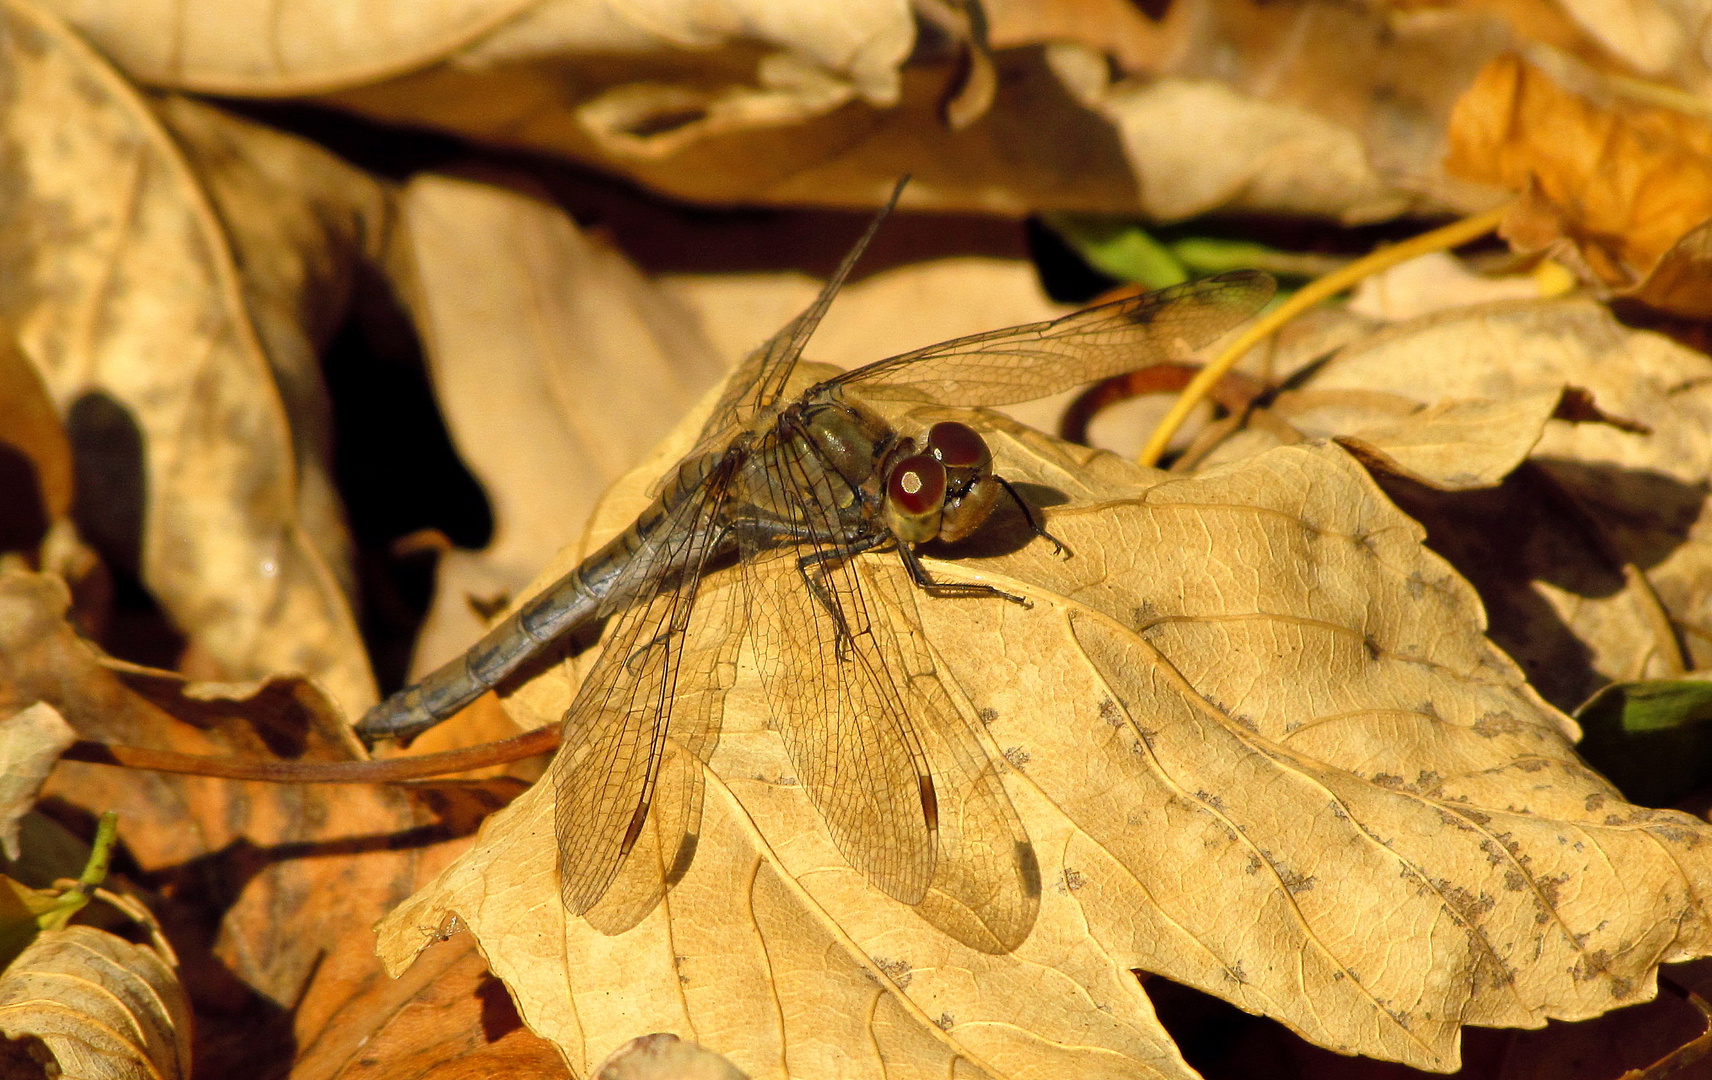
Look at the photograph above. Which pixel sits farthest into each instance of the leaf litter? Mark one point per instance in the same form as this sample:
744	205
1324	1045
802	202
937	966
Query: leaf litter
1259	728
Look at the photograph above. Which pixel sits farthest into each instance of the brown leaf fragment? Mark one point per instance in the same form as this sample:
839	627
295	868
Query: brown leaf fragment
445	1019
129	300
31	740
264	880
104	1008
35	455
1618	191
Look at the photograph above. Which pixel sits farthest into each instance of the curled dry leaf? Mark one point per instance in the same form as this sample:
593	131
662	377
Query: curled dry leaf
274	886
446	1018
128	299
1595	557
31	741
103	1008
557	365
1619	191
1260	746
1307	107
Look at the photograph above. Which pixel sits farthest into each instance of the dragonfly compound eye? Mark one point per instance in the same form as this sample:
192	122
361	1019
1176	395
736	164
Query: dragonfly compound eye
915	496
958	446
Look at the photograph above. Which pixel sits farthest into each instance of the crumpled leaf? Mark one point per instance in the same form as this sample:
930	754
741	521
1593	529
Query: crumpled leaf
556	366
446	1017
1620	192
1260	747
31	741
127	298
1591	559
104	1008
276	884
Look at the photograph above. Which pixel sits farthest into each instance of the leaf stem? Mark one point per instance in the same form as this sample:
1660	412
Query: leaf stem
392	770
1449	236
100	852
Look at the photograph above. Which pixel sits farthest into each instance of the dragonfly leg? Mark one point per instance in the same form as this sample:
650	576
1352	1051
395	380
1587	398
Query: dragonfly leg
1058	547
815	566
924	581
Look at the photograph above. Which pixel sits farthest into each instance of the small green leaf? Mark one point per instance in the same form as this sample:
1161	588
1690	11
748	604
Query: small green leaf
1650	738
1119	247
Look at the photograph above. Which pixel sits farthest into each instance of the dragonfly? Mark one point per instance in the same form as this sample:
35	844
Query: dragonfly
795	523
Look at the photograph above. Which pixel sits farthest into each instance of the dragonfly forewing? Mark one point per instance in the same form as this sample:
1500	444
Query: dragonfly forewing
1022	363
627	712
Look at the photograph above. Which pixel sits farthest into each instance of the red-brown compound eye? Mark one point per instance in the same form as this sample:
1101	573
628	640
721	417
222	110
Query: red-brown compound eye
916	486
958	446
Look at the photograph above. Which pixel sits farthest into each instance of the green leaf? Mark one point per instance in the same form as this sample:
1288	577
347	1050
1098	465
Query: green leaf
1651	738
1120	248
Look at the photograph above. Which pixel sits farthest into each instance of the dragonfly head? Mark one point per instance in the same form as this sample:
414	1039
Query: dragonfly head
947	491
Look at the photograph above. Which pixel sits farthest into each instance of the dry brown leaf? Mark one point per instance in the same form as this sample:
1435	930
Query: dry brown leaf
273	886
127	298
31	741
445	1019
1616	190
557	365
104	1008
1550	560
1260	747
35	456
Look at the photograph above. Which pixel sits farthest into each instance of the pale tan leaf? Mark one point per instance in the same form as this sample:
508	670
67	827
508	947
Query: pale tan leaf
665	1057
1260	745
128	299
1641	492
557	366
31	741
1450	445
105	1008
291	48
1434	282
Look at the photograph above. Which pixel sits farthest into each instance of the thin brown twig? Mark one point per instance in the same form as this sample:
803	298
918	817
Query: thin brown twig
1690	1052
392	770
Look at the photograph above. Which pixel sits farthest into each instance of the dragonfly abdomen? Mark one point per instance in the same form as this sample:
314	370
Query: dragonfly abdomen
597	587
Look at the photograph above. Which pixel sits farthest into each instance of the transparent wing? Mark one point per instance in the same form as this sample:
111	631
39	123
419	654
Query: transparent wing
1021	363
842	716
623	724
986	880
758	381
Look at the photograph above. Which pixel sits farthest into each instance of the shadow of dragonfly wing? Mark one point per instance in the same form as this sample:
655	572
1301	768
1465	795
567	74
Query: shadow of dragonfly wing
654	697
1022	363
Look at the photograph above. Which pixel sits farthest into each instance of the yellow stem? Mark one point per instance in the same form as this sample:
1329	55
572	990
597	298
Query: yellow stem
1452	235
